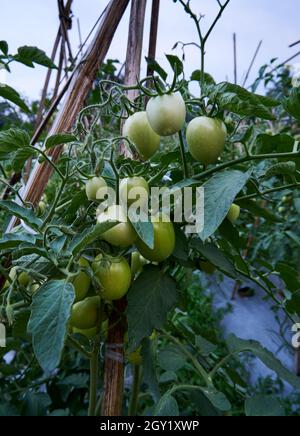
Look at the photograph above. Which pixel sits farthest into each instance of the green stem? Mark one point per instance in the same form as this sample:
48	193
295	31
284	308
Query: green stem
269	191
244	160
94	368
195	362
134	401
73	343
183	158
53	207
38	150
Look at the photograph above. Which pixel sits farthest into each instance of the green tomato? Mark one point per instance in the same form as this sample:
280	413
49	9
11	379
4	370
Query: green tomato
234	213
166	114
23	278
122	235
139	131
206	139
127	188
82	281
135	357
207	267
84	314
88	333
93	185
164	241
115	278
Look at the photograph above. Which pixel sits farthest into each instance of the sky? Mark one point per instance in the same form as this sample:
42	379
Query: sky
276	22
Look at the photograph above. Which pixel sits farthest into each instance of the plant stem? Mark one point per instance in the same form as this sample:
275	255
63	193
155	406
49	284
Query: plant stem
269	191
73	343
53	207
244	160
133	406
182	151
94	368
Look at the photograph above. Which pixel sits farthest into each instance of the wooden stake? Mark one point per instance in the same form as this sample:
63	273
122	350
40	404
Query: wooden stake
79	88
153	33
235	58
114	356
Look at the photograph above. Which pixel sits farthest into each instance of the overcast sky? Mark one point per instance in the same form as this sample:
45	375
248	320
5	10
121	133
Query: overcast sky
276	22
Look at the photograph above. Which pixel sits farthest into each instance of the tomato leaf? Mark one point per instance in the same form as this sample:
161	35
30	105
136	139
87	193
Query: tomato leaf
220	192
89	236
292	103
281	143
237	346
167	406
238	100
61	138
51	307
32	55
12	240
13	96
152	295
264	405
145	230
157	68
27	215
4	47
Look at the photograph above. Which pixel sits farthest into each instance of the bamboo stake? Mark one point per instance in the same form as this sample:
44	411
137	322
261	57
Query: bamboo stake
235	58
114	356
153	33
79	88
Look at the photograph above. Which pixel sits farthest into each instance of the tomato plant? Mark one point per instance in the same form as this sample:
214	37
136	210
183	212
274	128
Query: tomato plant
82	266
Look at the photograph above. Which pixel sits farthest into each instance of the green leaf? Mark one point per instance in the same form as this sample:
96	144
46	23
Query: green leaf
152	295
4	47
51	307
149	368
59	139
237	345
170	359
214	255
217	399
145	230
167	406
13	96
176	64
155	67
281	143
281	169
181	251
238	100
292	103
205	346
264	405
219	194
33	55
12	140
89	236
20	157
13	240
259	211
27	215
289	275
196	76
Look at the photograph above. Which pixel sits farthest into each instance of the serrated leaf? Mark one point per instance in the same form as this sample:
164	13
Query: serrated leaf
280	169
20	157
217	399
152	295
176	64
10	94
89	236
145	230
51	307
292	103
59	139
27	215
238	100
13	240
237	345
281	143
33	55
219	194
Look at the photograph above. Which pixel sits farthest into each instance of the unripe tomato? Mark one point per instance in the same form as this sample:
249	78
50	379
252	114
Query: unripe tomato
23	278
93	185
234	213
88	333
164	241
139	131
115	278
166	114
206	139
84	314
82	281
135	357
128	196
207	267
122	235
